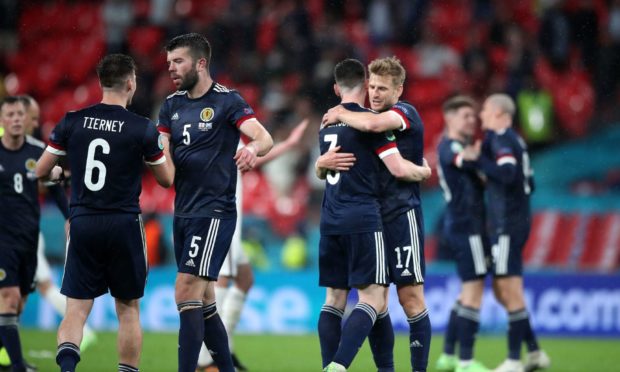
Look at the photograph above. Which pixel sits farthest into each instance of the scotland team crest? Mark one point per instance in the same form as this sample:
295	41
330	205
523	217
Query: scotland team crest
207	114
31	164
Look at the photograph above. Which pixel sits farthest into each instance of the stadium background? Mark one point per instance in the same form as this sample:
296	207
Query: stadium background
559	59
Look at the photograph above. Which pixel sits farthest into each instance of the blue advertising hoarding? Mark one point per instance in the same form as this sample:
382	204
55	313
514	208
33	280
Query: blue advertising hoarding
559	305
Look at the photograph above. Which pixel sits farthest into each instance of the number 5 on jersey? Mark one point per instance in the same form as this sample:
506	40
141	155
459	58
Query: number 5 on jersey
332	176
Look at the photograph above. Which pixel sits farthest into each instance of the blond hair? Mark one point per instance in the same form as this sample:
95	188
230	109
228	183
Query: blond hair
503	102
389	66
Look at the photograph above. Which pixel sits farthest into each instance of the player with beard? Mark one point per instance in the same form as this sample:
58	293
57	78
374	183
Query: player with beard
204	121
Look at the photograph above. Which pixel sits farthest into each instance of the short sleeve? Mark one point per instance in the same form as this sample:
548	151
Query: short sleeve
152	146
164	120
407	114
58	138
450	154
240	111
384	144
502	151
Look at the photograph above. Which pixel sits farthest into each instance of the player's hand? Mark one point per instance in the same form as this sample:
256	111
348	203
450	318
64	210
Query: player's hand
57	174
428	171
295	136
472	152
67	226
336	161
246	158
331	116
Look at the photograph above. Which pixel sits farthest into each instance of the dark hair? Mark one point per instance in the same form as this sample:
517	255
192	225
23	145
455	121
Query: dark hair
198	45
26	100
457	102
114	69
349	73
9	100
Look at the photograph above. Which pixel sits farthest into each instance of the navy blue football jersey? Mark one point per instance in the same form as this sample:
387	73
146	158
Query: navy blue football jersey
107	147
508	189
351	199
401	196
463	190
204	135
19	196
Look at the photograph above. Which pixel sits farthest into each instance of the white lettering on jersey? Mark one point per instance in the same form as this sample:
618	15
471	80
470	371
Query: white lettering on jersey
103	124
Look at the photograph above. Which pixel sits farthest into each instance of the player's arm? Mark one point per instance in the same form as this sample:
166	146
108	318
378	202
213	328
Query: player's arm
365	121
501	170
333	160
501	166
405	170
282	147
163	167
47	170
260	144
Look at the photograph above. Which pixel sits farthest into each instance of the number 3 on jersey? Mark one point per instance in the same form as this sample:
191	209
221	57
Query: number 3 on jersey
92	164
332	176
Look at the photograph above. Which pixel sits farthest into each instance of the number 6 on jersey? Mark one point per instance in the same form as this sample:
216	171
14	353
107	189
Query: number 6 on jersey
92	164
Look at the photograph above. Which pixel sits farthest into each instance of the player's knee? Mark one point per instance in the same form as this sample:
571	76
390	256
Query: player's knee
377	302
10	299
502	294
374	296
336	298
127	310
188	287
412	306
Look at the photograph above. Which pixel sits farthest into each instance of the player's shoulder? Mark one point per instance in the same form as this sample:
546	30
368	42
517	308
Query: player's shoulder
449	147
410	112
137	119
407	108
221	89
504	137
30	140
444	143
179	94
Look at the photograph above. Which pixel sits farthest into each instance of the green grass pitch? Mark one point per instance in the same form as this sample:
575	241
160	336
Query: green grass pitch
270	353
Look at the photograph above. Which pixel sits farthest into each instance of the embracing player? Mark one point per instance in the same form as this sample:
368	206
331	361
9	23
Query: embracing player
401	210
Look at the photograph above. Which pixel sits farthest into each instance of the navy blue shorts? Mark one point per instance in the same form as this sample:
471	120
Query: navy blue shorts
17	269
201	244
106	251
507	253
404	242
352	260
471	253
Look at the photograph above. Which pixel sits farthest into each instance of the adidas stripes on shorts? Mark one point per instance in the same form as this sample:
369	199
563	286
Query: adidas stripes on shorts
201	244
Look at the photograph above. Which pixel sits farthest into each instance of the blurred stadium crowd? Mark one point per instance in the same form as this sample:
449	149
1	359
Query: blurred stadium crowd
558	59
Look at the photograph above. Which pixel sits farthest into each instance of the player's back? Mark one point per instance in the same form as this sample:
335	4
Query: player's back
351	199
508	202
463	190
401	196
107	146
